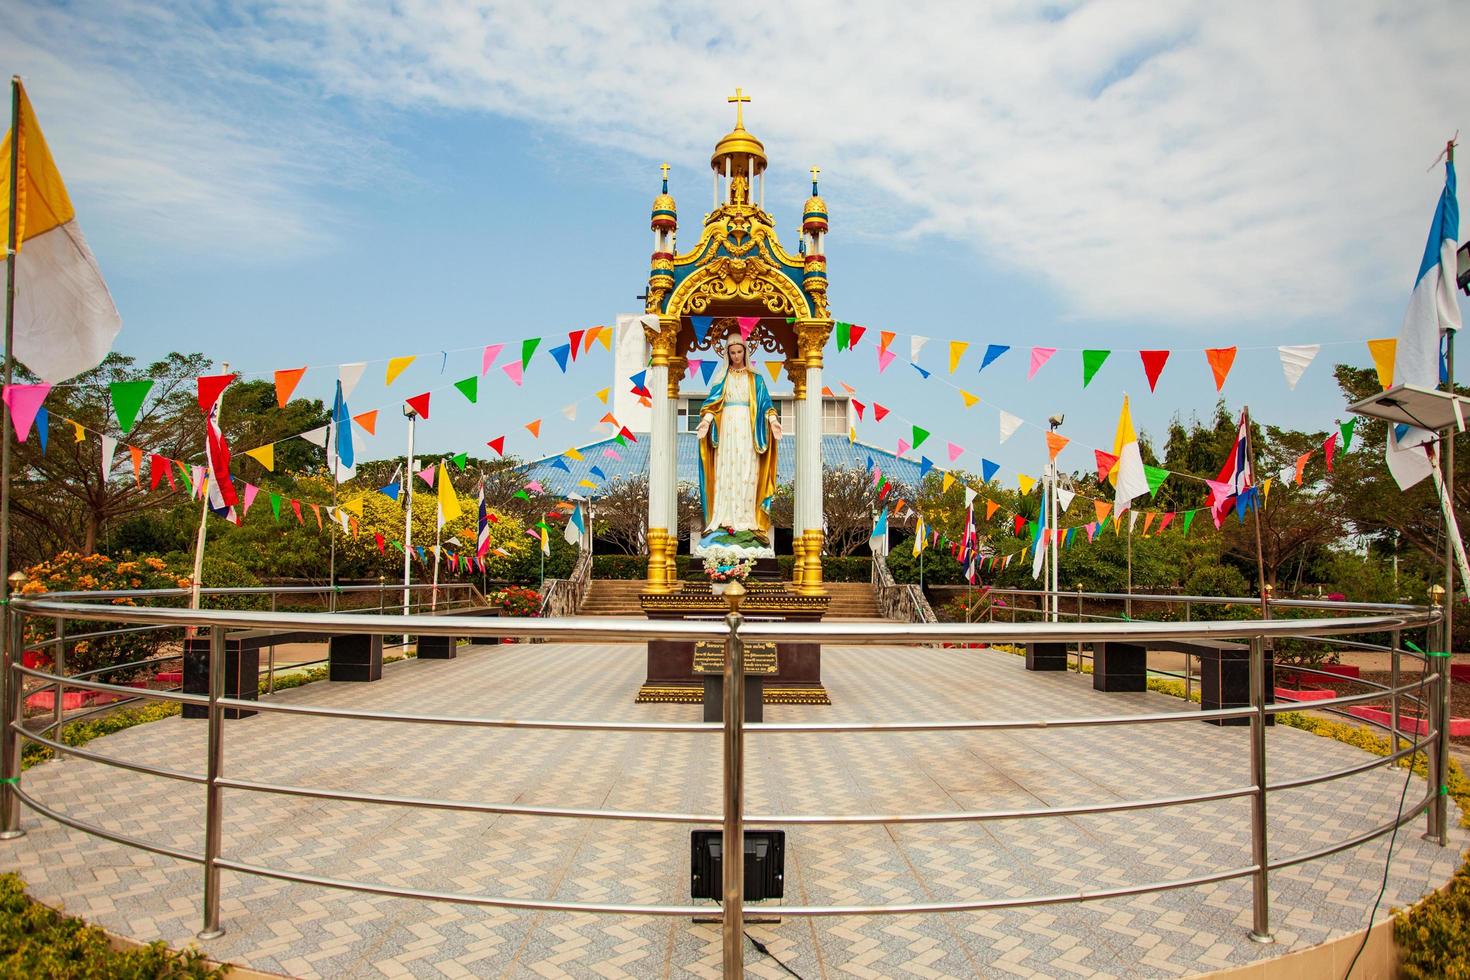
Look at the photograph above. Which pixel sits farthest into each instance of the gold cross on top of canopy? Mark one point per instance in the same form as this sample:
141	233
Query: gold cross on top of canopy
815	171
739	99
665	168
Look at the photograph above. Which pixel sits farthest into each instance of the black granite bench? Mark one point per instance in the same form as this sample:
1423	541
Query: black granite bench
242	665
1046	656
1225	675
1119	666
447	647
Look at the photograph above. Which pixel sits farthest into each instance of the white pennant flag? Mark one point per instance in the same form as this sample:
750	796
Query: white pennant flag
969	496
570	412
1408	460
1064	498
1294	361
109	447
317	436
350	374
1008	424
1132	520
916	344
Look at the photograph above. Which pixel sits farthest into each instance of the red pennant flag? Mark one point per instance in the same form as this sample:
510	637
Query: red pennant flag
296	506
1220	358
419	404
1019	522
497	444
879	412
380	540
1330	448
1153	365
1105	463
1164	521
210	387
157	467
854	335
572	339
858	406
626	434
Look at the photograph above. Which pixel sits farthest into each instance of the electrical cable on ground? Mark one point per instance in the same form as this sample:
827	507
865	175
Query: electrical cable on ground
760	947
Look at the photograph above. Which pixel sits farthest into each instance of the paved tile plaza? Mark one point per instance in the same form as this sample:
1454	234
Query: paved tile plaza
315	932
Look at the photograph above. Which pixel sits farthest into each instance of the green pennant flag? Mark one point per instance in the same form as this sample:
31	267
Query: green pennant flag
844	335
528	347
542	526
470	388
398	545
461	460
1347	433
188	480
523	495
1155	477
919	436
1102	524
620	440
882	482
276	506
1188	519
1091	361
127	398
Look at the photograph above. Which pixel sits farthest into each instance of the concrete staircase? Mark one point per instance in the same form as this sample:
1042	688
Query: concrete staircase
619	597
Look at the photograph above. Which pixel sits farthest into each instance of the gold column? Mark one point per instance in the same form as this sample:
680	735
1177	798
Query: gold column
658	577
678	364
796	371
811	338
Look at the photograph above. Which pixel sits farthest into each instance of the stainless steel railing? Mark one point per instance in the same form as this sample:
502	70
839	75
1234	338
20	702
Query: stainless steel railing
735	633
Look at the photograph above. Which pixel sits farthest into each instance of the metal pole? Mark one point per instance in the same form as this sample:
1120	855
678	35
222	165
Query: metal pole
408	516
332	559
1394	683
270	663
213	793
58	666
203	533
11	244
732	841
10	719
1128	599
1260	886
1250	455
1442	735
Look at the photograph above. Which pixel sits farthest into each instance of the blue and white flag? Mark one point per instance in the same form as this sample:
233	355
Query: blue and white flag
1039	556
576	527
1433	309
340	438
878	541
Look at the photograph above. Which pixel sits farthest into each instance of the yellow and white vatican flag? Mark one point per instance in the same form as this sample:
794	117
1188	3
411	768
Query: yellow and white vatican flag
65	320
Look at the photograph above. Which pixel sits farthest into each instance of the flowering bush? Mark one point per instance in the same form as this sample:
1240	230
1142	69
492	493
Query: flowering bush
516	601
726	565
72	572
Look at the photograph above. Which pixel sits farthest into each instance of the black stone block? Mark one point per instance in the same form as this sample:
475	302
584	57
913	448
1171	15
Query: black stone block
438	647
355	657
1046	656
1225	682
1119	667
242	675
714	697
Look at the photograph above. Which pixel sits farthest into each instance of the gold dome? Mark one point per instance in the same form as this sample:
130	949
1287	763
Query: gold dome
739	141
815	205
664	202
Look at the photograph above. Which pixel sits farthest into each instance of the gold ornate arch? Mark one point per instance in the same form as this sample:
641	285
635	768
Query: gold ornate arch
738	281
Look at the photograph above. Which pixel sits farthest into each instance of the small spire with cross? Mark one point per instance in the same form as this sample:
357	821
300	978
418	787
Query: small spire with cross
814	172
665	168
739	100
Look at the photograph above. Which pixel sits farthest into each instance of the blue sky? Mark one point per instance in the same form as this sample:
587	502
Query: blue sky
308	184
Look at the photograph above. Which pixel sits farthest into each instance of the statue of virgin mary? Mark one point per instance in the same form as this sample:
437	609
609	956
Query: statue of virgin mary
738	433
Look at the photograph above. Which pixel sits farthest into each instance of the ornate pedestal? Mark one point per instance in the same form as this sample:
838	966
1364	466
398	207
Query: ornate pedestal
671	669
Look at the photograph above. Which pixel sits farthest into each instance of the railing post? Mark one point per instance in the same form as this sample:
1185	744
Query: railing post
213	794
732	841
1393	702
1260	885
1442	733
58	667
10	685
270	659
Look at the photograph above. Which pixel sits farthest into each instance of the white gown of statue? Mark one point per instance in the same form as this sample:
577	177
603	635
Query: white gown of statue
735	459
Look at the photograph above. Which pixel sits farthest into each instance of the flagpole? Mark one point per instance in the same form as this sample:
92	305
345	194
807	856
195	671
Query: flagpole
218	409
332	559
9	804
408	517
1250	455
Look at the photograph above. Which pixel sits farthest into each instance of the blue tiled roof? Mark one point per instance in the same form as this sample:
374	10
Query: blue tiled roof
837	453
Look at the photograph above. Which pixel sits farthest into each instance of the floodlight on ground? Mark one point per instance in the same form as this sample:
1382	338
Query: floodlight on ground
765	864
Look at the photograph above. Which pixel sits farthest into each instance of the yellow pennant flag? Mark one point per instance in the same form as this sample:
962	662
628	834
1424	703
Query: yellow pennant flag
397	365
79	432
264	455
1026	483
354	505
970	399
572	453
604	337
65	320
946	483
775	368
1265	491
449	508
957	350
602	396
1384	353
851	434
587	483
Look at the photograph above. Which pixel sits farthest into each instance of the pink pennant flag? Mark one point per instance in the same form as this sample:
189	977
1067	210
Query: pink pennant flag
1039	356
491	353
512	371
250	491
1091	529
955	452
428	473
747	324
903	446
694	364
611	453
535	486
885	358
25	401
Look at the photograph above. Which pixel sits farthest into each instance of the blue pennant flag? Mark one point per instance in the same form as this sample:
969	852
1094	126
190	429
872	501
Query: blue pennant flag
870	463
342	429
597	472
701	326
561	354
639	379
707	368
925	465
560	464
420	549
43	427
390	491
987	470
991	353
921	371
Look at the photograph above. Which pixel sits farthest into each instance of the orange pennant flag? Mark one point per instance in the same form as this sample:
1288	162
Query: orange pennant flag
534	428
608	417
1054	443
885	337
1301	464
1220	358
1148	519
368	421
286	382
828	392
137	454
1102	509
990	508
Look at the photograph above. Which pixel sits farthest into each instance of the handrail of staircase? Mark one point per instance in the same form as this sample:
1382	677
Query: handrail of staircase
563	596
905	603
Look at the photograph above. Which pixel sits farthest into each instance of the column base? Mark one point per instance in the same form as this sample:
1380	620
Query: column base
798	560
658	569
811	580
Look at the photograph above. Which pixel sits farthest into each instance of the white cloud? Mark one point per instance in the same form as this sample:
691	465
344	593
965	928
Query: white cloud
1178	161
1181	162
